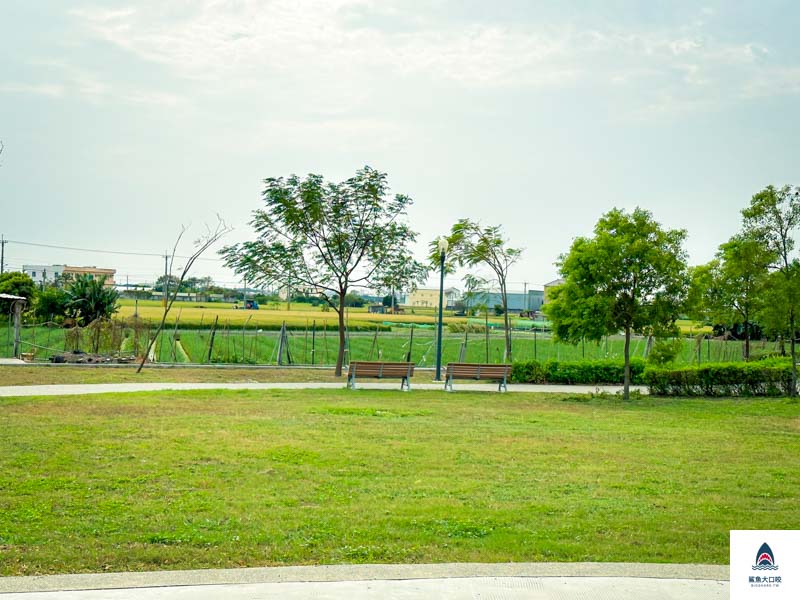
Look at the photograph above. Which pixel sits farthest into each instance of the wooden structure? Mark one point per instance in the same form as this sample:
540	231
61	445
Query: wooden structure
477	372
381	370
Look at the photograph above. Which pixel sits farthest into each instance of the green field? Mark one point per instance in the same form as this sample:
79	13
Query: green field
250	345
230	479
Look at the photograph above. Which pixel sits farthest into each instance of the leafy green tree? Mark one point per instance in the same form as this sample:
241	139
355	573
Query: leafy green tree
631	276
15	283
779	296
389	300
52	303
172	282
90	299
772	217
476	293
741	271
327	236
471	244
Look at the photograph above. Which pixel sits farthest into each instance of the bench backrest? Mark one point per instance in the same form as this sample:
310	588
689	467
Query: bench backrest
381	369
477	371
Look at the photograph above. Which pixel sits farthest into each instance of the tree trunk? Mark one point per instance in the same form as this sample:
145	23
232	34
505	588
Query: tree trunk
506	323
746	340
626	393
793	333
340	355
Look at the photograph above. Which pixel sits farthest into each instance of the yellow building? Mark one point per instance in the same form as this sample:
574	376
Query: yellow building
70	273
549	286
425	297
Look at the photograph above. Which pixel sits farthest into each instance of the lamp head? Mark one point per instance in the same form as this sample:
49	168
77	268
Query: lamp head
443	245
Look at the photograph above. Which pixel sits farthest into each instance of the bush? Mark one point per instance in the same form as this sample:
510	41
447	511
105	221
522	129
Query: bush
191	325
579	372
52	304
765	378
665	351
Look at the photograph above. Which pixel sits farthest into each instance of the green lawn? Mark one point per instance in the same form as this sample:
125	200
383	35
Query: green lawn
186	480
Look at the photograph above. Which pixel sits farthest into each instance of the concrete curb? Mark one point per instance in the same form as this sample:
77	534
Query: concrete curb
331	573
110	388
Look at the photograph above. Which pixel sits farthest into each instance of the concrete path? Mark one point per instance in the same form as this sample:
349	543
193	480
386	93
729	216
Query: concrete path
106	388
505	581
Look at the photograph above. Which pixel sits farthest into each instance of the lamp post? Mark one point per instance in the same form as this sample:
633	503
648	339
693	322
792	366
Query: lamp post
442	252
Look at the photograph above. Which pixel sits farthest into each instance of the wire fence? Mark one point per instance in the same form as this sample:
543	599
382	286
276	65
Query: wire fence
225	343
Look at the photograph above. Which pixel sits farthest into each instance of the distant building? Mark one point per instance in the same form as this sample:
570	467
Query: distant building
71	273
43	274
517	302
429	298
550	285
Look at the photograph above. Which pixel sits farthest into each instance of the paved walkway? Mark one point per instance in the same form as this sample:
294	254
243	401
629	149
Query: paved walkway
105	388
504	581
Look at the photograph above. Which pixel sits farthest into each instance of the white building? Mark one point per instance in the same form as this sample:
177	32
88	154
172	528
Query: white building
43	273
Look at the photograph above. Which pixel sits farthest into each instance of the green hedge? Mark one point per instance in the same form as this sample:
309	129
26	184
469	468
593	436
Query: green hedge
186	326
763	378
579	372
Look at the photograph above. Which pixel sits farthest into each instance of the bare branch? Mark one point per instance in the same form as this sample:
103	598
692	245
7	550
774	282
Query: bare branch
202	244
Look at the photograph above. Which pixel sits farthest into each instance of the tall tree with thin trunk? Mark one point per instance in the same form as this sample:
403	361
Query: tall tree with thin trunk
630	277
773	216
733	286
203	243
471	244
328	237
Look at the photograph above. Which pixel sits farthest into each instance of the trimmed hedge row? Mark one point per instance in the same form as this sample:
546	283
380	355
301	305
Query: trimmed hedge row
580	372
763	378
193	325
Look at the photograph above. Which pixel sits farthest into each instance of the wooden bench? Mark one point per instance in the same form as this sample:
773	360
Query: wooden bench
477	371
381	370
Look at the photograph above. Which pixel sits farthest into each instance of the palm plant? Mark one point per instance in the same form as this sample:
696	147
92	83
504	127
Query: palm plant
90	299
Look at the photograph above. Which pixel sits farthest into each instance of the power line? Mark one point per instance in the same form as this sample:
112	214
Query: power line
125	253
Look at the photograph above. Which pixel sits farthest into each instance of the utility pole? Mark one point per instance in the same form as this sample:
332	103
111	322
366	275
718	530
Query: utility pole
3	243
525	294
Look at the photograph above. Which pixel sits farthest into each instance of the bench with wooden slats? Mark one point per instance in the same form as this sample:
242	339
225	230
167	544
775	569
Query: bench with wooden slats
380	370
477	371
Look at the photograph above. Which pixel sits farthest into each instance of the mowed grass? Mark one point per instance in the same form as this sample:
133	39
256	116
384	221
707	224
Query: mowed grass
229	479
23	375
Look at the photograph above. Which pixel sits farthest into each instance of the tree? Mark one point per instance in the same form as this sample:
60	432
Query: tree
476	294
737	277
327	236
631	276
52	303
772	217
201	244
471	244
90	299
172	284
389	300
15	283
780	295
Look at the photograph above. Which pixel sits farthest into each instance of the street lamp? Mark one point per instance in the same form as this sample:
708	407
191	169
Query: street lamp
442	245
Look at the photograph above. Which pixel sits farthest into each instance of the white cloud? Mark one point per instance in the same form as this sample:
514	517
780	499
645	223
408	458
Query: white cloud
41	89
264	45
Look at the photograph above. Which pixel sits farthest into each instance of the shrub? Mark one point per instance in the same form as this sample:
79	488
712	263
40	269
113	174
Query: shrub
665	351
578	372
765	378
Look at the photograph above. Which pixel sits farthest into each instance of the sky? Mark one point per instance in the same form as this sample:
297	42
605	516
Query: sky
124	121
